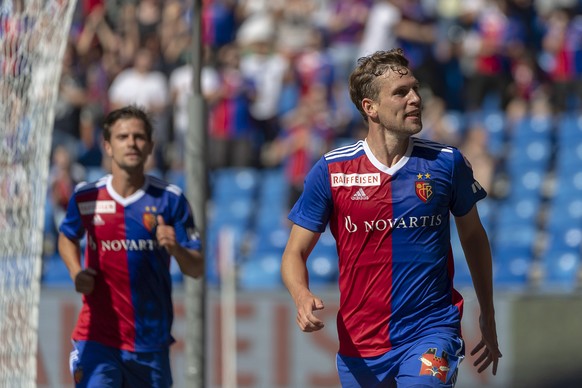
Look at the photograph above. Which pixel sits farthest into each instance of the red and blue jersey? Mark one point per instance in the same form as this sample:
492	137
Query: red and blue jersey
391	226
130	307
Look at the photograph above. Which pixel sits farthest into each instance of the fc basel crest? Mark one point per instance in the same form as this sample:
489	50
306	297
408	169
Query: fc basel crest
149	219
423	187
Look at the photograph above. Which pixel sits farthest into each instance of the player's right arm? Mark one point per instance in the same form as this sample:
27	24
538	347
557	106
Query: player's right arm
295	277
70	232
70	252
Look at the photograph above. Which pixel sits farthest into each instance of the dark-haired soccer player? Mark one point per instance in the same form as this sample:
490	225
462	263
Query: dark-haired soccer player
134	224
387	201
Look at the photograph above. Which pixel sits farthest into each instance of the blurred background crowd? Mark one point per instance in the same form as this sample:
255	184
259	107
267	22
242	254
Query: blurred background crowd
500	79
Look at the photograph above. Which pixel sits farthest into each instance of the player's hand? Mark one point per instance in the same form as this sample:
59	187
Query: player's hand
166	235
85	281
306	320
488	346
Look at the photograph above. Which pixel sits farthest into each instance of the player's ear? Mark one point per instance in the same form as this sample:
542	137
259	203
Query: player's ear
370	107
107	147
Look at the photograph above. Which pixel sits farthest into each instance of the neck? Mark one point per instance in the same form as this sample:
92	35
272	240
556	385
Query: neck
126	183
387	147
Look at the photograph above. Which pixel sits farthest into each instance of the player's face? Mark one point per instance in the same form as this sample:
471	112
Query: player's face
399	104
129	146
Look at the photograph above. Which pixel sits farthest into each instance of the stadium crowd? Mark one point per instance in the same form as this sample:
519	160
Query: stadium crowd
275	76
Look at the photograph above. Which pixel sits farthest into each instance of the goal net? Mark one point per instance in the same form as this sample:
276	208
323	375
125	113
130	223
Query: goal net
33	35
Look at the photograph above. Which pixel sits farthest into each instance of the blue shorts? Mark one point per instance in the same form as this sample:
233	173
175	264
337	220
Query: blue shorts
431	361
95	365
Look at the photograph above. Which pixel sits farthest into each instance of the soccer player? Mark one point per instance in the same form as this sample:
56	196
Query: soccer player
134	224
387	201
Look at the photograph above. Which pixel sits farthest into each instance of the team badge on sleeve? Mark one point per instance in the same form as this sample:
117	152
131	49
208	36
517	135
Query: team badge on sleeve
423	187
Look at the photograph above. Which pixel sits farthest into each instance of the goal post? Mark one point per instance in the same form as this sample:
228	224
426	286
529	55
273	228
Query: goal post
33	36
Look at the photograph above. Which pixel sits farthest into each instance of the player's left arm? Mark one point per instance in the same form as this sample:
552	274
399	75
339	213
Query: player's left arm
477	251
190	261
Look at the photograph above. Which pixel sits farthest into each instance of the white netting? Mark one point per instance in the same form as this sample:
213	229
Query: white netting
33	34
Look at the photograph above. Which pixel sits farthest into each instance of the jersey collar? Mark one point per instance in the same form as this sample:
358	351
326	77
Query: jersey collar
382	167
128	200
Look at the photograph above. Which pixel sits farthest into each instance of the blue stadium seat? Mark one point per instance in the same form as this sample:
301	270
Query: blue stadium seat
323	261
273	188
560	270
532	128
271	240
229	183
323	268
55	273
530	155
94	173
511	267
494	123
569	158
212	248
522	236
514	212
261	272
178	178
462	278
569	128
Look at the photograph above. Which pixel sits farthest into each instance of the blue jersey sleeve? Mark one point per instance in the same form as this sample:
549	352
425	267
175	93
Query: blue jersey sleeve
184	226
72	225
313	208
466	190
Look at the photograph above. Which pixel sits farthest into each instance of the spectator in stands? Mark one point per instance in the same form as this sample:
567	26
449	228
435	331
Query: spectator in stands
64	174
308	132
294	23
71	99
175	35
475	148
232	133
145	87
313	66
345	26
219	19
380	30
485	46
559	61
269	70
181	84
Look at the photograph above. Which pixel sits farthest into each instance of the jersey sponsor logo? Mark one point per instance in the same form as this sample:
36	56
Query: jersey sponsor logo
341	179
97	207
393	223
97	220
360	195
128	245
423	187
433	365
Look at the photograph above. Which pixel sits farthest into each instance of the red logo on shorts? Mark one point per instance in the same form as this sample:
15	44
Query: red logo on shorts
433	365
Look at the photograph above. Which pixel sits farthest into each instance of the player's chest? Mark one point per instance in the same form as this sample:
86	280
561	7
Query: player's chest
113	221
374	193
